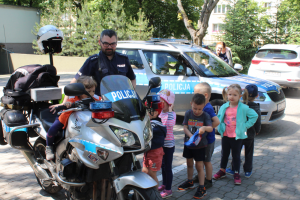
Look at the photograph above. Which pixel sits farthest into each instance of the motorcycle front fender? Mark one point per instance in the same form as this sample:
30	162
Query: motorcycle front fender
137	179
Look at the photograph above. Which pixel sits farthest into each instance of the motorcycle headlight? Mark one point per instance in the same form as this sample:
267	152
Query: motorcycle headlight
126	137
147	132
261	97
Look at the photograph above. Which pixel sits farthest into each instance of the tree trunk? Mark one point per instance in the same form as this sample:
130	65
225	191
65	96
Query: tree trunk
199	33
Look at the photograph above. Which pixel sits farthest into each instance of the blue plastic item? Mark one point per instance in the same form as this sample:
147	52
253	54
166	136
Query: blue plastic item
194	140
100	105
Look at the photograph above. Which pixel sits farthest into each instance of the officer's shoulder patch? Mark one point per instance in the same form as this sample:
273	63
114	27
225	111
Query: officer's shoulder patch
122	55
93	57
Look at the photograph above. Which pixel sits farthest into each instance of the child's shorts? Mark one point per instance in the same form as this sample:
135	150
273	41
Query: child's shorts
209	150
153	159
196	154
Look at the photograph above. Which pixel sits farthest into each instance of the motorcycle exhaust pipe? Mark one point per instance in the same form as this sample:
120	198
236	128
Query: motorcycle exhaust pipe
39	172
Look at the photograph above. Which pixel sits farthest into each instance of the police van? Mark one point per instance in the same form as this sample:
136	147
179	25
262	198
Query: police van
181	66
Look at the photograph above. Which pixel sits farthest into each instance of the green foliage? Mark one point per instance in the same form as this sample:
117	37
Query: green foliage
139	29
86	36
243	30
116	20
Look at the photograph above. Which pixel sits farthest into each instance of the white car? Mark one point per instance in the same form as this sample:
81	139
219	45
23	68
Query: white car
279	63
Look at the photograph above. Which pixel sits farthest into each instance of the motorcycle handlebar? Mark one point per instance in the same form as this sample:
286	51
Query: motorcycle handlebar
59	108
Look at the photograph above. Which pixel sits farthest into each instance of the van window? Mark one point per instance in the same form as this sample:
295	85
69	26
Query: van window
134	58
164	63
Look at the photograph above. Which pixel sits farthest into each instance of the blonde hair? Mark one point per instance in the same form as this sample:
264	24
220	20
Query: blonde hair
87	81
221	43
238	88
203	87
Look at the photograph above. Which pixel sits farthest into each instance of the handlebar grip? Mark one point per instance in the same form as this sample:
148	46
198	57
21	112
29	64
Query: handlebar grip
59	108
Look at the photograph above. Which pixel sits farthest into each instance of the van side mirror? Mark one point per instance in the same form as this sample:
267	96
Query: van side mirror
238	67
189	72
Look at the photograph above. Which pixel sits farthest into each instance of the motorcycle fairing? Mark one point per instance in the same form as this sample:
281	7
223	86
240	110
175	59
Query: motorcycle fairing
138	179
125	101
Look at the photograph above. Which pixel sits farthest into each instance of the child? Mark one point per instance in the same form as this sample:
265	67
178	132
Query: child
153	158
61	122
168	118
205	89
251	132
195	119
235	118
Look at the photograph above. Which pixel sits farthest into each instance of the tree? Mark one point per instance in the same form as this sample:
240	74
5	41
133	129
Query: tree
139	29
87	33
116	19
199	32
243	29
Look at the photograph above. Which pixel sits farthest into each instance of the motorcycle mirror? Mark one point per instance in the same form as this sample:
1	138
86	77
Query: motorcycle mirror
75	89
154	82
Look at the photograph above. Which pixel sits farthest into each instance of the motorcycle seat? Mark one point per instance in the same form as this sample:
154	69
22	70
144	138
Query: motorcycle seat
47	119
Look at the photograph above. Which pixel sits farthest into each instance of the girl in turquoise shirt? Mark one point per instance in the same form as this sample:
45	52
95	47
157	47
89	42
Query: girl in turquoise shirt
235	118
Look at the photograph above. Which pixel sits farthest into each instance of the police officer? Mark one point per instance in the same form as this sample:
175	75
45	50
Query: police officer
111	63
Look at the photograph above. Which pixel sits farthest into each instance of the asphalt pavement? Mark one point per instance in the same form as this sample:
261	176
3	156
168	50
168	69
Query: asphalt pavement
276	168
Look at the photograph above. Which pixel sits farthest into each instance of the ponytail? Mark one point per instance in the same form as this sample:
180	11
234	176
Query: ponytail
245	96
224	93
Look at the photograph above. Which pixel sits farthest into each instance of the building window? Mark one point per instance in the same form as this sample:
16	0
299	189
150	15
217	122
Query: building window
217	28
267	5
220	9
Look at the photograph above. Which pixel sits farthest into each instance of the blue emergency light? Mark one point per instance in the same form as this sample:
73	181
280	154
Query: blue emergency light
101	105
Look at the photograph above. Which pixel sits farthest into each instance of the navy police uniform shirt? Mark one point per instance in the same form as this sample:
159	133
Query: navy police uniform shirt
119	65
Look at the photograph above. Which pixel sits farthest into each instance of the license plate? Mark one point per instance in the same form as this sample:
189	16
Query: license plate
272	73
281	106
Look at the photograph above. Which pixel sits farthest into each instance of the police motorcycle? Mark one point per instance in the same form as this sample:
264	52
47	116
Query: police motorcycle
95	156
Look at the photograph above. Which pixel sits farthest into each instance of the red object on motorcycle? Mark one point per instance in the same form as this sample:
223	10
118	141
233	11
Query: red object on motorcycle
103	114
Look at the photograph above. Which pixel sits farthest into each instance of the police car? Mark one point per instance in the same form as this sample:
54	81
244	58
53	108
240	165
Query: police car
181	66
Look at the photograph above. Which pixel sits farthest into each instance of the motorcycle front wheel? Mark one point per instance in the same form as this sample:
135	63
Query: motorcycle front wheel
135	193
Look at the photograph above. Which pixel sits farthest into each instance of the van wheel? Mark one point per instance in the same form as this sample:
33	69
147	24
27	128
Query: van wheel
216	104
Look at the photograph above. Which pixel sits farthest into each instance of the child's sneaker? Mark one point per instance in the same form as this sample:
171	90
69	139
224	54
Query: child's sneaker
248	174
207	183
49	153
220	174
166	194
229	171
186	185
201	192
237	179
161	188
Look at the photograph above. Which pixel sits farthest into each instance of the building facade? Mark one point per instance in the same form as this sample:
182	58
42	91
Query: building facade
218	16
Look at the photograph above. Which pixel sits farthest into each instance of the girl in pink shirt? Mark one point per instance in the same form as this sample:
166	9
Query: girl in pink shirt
235	118
168	118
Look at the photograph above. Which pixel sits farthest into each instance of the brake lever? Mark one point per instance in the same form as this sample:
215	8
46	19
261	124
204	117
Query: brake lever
72	109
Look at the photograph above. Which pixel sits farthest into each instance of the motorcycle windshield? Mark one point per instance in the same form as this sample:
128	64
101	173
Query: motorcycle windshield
125	101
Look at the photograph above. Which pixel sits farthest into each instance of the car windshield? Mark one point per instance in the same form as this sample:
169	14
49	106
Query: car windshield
211	65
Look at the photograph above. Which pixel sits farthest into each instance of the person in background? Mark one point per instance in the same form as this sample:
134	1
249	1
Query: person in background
224	52
61	122
196	119
168	118
153	158
235	118
205	89
251	132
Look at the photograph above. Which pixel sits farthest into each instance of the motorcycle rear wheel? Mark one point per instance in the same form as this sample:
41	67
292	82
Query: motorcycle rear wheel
135	193
39	149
